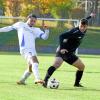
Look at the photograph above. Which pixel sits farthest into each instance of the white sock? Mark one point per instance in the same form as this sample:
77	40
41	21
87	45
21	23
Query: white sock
25	75
35	71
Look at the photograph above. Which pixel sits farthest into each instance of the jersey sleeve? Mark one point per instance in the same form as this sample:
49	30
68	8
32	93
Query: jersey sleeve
39	32
17	25
6	29
89	17
12	27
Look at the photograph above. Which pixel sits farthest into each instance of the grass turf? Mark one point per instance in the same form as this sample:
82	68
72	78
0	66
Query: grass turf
13	65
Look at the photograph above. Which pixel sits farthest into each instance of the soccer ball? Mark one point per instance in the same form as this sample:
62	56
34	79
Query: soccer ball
53	83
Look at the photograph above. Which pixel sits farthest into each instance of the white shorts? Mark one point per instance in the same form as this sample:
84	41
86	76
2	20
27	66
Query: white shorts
28	53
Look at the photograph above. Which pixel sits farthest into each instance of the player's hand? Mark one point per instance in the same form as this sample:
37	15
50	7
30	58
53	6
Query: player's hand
45	27
92	14
63	51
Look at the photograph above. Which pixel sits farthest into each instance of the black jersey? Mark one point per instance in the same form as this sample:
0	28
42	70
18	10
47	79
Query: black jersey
71	39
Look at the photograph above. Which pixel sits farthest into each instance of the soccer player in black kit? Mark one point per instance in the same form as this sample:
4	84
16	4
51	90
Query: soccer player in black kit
69	42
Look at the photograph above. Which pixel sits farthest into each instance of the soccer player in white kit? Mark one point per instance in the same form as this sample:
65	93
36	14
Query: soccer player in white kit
26	36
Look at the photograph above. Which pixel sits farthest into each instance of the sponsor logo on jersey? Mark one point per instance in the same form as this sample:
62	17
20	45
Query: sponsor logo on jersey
65	40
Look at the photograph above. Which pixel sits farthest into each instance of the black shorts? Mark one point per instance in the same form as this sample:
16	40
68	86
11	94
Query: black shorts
70	58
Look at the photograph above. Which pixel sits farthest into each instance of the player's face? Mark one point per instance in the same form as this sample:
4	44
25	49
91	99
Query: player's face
31	21
82	28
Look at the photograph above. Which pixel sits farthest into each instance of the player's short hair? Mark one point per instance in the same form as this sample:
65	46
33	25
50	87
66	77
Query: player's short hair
32	16
84	21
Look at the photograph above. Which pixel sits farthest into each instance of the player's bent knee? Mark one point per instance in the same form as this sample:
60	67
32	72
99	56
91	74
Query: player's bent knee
82	67
56	65
79	64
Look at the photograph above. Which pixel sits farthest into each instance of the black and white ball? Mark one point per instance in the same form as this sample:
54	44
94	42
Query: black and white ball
53	83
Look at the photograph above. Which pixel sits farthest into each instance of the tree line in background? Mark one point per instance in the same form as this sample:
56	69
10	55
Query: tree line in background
51	8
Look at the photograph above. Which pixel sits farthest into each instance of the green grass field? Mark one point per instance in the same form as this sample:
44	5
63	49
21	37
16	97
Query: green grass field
13	65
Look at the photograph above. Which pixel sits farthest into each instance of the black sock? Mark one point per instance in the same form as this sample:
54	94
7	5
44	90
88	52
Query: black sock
50	71
78	77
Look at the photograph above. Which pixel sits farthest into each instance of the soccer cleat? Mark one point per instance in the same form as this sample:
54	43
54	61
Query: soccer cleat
21	83
45	85
39	81
78	85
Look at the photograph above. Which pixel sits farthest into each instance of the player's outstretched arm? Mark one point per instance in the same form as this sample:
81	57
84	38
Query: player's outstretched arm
91	15
6	29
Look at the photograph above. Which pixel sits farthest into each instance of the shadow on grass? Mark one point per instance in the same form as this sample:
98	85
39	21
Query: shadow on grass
81	89
65	88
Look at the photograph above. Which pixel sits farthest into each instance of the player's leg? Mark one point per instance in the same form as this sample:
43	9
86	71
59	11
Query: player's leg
34	61
72	59
80	66
32	66
28	71
57	63
26	74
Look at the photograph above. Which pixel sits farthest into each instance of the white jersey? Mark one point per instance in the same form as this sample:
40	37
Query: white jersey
26	35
